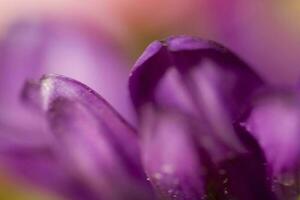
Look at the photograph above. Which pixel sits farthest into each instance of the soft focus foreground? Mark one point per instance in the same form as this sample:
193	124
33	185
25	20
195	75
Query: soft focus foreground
202	122
29	50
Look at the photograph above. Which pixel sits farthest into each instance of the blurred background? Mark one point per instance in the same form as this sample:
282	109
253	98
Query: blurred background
74	38
264	33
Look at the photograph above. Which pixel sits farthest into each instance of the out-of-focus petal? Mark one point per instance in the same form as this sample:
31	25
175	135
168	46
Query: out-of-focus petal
41	169
31	49
184	162
170	156
100	146
274	121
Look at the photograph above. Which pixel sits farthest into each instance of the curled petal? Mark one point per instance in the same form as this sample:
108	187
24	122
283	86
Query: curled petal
30	49
147	72
101	146
209	87
198	77
216	64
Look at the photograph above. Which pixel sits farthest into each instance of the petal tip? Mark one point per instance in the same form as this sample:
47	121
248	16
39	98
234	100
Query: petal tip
149	52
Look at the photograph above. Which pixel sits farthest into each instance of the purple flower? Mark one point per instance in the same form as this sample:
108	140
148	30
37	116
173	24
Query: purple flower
188	93
208	128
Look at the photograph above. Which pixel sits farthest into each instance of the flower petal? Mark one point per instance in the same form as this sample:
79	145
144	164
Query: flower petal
274	121
101	146
188	74
170	156
184	162
209	87
203	67
30	49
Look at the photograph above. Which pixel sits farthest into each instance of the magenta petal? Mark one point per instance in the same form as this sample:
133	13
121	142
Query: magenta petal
274	121
94	141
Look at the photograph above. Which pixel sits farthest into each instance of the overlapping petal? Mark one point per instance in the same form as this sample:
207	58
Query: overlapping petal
171	156
190	95
205	83
32	48
201	68
197	77
94	142
274	121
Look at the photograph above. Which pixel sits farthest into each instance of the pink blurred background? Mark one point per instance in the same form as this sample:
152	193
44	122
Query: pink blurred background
265	33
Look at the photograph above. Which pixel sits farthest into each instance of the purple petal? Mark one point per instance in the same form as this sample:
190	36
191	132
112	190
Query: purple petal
209	87
215	65
274	121
203	68
189	74
184	162
170	156
100	146
186	43
147	71
244	174
31	49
